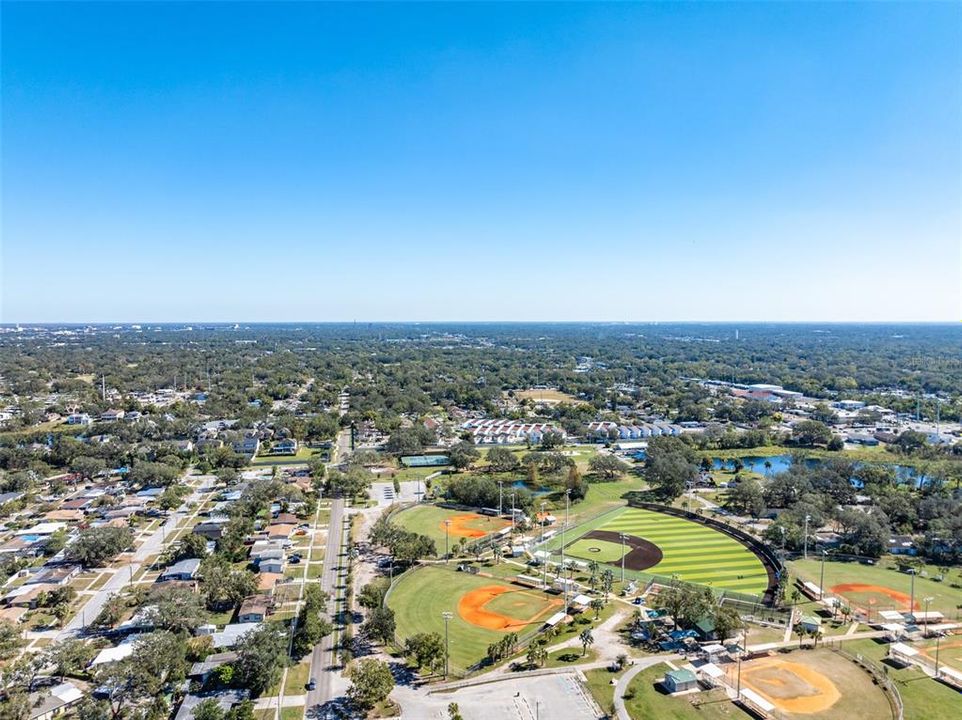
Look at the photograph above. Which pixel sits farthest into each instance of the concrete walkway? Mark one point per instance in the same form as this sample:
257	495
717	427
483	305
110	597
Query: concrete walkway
622	686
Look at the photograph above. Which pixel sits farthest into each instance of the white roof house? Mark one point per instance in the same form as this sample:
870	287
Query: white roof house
45	528
229	636
113	654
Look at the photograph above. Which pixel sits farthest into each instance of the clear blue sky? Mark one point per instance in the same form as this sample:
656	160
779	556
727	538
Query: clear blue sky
516	162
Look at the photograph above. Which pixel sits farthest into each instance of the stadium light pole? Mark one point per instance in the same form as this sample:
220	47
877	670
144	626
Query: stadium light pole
912	593
805	541
542	521
821	576
564	570
925	618
500	491
447	524
622	558
447	616
512	513
938	641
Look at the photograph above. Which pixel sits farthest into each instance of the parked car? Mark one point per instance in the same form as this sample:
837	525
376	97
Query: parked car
312	684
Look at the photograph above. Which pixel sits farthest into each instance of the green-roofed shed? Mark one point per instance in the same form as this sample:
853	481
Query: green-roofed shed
680	680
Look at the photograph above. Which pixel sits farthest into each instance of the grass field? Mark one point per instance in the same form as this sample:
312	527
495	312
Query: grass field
303	455
421	596
694	553
546	395
429	520
923	697
644	700
945	598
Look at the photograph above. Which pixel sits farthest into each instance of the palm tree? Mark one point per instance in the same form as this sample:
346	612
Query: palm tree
800	630
597	604
593	569
768	467
586	639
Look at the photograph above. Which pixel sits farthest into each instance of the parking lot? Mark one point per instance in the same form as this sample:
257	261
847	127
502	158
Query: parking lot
524	698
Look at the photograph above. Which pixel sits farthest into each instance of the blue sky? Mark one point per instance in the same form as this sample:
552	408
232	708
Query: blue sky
481	162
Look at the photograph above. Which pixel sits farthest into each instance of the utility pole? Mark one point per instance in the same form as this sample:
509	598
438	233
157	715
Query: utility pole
447	524
447	616
103	388
805	541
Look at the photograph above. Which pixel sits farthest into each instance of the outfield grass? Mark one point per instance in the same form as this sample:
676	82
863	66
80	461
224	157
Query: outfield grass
692	552
923	697
429	520
419	597
644	700
945	598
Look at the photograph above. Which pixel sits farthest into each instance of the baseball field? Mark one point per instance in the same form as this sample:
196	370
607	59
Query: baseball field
429	520
666	545
871	588
819	684
483	609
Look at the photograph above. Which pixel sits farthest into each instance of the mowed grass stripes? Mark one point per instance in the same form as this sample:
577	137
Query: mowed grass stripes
693	552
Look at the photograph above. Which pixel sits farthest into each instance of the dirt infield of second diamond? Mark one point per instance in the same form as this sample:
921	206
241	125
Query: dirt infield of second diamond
692	552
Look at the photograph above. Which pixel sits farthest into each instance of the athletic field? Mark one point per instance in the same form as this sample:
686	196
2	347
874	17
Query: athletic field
429	520
691	551
882	587
484	609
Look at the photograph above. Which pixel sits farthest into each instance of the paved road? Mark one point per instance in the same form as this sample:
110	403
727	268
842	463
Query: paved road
322	659
153	545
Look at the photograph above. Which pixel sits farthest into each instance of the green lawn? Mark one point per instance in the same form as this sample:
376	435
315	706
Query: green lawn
693	552
945	598
570	656
297	678
302	456
644	700
420	596
923	697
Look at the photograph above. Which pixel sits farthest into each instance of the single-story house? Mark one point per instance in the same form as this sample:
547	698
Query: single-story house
183	570
27	596
226	699
270	565
61	697
229	636
210	530
44	528
280	531
54	574
253	609
680	680
201	670
113	654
